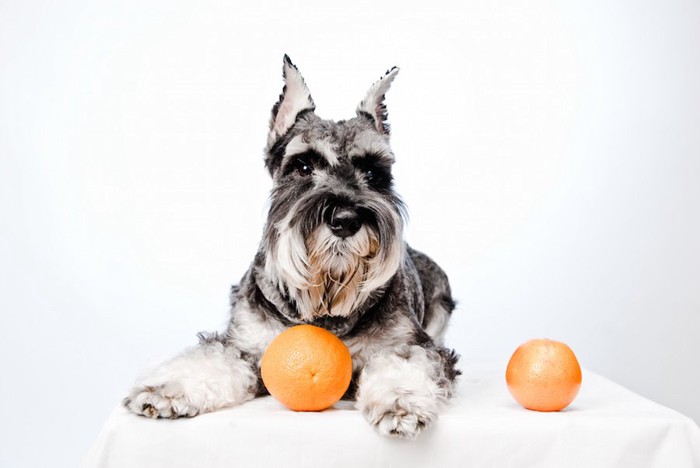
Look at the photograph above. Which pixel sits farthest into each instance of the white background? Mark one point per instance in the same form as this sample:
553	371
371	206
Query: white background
549	154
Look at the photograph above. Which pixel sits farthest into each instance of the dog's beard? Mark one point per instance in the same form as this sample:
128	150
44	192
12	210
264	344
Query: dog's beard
327	275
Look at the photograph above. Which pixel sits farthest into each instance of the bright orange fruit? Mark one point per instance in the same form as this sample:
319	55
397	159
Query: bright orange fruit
543	375
306	368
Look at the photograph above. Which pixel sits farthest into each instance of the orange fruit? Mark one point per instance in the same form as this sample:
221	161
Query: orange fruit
306	368
543	375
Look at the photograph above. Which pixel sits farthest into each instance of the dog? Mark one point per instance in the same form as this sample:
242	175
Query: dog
332	255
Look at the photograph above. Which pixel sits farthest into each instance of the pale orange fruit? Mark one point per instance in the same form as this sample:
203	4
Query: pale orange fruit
306	368
543	375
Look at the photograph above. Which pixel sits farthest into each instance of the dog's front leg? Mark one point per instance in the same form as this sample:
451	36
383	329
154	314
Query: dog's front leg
201	379
401	390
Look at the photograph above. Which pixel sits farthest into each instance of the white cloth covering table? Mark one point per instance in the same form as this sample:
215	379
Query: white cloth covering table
606	426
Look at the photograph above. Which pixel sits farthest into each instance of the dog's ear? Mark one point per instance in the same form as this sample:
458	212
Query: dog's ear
294	99
373	103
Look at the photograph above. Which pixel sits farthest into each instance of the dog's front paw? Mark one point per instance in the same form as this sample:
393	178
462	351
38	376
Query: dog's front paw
398	422
401	391
160	401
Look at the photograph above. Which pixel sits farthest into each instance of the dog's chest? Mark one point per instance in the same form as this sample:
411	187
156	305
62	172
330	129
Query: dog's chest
381	339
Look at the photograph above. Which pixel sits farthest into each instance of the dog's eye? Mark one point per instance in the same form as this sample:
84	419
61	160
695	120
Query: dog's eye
304	168
375	177
375	173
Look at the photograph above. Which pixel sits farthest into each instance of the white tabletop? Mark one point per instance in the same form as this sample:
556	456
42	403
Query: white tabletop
606	426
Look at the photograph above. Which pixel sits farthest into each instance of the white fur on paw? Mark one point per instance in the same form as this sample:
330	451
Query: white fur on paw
201	379
401	391
161	401
400	423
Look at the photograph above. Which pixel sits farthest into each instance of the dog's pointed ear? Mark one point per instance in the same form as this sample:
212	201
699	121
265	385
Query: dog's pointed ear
294	99
373	103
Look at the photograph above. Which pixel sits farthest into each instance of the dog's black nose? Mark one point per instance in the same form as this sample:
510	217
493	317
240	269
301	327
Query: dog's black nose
344	222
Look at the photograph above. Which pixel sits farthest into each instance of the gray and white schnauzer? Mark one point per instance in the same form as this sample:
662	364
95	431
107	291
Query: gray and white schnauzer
332	255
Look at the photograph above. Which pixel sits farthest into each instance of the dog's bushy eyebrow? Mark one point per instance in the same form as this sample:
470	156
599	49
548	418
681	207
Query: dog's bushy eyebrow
371	159
369	143
275	155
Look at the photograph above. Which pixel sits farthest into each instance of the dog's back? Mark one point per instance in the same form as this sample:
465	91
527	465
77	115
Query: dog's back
437	295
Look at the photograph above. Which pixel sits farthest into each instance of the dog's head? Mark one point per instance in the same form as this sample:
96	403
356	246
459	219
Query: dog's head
334	230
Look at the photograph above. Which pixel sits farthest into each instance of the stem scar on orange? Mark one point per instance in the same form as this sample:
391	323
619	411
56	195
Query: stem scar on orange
306	368
543	375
